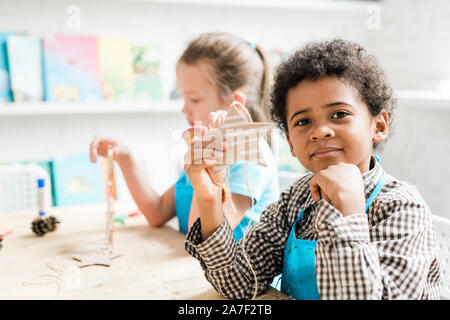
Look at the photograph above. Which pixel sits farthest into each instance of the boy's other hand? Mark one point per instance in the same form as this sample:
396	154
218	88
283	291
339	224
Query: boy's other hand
342	186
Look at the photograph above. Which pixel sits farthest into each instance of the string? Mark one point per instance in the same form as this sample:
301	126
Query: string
246	232
227	179
243	109
55	279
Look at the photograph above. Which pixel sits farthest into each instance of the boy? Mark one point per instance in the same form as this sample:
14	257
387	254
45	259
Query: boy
347	229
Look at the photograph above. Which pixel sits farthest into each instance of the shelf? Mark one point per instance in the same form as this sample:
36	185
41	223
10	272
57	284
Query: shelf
426	99
423	95
117	107
423	99
324	5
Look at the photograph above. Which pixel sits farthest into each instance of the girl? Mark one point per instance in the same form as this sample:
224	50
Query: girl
214	70
347	229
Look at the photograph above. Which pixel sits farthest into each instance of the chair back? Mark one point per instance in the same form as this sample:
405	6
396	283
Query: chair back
442	226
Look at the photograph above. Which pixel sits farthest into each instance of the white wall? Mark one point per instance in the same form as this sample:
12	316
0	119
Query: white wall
412	44
419	149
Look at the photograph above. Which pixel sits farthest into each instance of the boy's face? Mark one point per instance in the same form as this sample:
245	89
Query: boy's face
329	123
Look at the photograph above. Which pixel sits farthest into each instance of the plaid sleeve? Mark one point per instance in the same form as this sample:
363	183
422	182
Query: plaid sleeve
224	261
217	251
393	258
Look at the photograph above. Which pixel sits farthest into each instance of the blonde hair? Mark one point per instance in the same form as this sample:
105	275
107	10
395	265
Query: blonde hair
233	63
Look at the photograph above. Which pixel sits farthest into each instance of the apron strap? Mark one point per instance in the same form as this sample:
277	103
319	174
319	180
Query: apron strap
376	191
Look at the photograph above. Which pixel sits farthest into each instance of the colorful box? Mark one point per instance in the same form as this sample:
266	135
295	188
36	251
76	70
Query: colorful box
147	72
77	180
116	68
71	68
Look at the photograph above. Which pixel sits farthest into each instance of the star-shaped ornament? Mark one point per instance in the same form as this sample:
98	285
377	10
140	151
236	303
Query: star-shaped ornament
101	258
241	135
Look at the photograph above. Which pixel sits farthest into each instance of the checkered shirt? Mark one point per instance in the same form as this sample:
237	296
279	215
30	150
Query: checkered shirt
388	253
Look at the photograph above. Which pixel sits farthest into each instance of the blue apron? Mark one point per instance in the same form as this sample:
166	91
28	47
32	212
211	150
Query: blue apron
183	199
298	278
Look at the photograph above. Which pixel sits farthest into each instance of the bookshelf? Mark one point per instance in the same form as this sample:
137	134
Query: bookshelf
427	99
116	107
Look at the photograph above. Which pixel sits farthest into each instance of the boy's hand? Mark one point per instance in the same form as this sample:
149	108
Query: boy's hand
342	186
202	157
100	146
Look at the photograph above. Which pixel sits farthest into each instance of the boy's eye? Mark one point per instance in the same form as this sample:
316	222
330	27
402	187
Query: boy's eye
302	122
339	114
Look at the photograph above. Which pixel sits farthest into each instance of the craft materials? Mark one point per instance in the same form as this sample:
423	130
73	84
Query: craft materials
110	202
43	223
103	256
3	236
241	135
100	258
122	217
69	278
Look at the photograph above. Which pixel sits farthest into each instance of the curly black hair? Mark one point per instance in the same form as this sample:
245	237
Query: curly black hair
345	59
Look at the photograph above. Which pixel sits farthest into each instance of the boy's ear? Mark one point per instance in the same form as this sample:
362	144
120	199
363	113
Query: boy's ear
381	127
290	144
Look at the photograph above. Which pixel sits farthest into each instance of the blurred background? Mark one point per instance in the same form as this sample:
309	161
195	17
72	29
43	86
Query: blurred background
51	103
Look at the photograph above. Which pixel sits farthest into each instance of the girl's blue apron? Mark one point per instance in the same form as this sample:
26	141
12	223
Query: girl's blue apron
298	278
183	199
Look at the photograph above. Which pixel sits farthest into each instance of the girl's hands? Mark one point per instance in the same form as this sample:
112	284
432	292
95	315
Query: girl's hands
342	186
100	146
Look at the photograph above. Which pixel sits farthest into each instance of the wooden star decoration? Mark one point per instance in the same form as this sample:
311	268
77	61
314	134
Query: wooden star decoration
96	258
242	137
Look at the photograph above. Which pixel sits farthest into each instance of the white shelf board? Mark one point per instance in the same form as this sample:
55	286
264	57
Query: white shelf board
426	99
71	108
423	95
423	99
325	5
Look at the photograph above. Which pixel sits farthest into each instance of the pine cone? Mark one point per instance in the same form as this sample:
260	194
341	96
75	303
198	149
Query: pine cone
52	222
39	226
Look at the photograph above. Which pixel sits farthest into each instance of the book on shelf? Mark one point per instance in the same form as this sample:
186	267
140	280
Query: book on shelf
147	72
71	68
77	180
116	68
5	87
25	65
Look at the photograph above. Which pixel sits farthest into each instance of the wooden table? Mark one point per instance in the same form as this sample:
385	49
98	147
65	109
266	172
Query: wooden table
153	265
